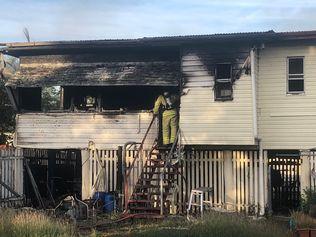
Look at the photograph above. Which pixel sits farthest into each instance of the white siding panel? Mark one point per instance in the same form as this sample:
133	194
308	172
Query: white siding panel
73	130
206	121
286	121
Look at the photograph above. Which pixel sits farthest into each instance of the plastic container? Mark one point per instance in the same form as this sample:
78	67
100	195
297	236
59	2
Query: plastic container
99	196
109	203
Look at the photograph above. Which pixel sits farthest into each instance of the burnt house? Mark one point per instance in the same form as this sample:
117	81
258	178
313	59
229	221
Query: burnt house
84	117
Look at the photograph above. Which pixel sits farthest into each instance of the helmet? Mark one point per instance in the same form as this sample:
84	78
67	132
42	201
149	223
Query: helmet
166	94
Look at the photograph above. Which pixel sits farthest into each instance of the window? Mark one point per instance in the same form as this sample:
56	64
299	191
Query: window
223	82
295	77
29	98
51	98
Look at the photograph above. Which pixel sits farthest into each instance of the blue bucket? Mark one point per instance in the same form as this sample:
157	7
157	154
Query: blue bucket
99	196
109	203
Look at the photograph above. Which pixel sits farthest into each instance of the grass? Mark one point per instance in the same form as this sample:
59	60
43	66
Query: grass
302	220
213	224
15	223
21	223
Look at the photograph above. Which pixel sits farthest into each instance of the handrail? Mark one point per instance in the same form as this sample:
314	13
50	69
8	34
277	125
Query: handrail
140	147
129	170
174	145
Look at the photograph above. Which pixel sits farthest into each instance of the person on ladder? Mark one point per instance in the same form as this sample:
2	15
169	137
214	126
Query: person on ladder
167	106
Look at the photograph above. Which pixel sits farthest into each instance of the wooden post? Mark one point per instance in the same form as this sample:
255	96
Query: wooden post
62	92
119	183
34	186
261	183
51	171
230	190
86	177
305	174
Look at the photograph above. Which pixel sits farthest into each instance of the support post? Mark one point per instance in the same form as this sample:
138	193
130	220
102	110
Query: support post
86	179
261	183
119	183
51	171
230	190
161	193
34	186
305	174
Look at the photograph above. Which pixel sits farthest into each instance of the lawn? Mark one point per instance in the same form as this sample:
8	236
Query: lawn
30	223
212	224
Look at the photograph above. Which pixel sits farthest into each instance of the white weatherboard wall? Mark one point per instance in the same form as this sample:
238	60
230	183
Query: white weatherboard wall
286	121
75	130
206	121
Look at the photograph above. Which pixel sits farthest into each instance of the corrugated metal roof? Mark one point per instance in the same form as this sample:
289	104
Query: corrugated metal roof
25	48
240	35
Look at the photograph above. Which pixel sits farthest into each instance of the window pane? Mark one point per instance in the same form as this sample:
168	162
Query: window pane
223	71
296	85
296	66
223	91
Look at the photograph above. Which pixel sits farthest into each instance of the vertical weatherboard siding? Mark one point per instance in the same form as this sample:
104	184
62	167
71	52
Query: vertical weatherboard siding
286	121
206	121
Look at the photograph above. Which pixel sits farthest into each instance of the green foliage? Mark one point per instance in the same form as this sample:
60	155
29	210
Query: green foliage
7	114
50	98
301	220
308	200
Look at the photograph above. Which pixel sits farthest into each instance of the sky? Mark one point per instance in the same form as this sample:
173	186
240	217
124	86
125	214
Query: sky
48	20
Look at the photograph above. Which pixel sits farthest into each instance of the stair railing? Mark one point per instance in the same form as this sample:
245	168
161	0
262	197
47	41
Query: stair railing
127	181
168	161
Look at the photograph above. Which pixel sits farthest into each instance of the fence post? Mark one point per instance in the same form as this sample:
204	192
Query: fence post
229	180
305	174
261	183
119	183
86	176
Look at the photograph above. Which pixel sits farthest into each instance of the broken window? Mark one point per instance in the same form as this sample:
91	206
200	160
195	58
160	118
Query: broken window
223	88
107	98
30	98
295	77
51	98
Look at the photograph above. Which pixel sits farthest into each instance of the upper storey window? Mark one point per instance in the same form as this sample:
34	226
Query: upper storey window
223	82
295	75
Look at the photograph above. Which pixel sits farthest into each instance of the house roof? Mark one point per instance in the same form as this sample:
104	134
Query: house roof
163	73
153	72
49	47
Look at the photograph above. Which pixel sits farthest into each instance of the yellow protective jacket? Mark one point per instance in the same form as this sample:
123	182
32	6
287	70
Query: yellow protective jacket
169	120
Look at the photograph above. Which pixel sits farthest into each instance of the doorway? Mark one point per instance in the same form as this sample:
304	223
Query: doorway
57	174
284	166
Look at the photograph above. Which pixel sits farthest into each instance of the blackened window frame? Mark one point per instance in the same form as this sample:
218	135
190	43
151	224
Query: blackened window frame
294	77
223	82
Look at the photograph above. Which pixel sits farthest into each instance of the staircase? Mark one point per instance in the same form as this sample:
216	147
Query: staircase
155	184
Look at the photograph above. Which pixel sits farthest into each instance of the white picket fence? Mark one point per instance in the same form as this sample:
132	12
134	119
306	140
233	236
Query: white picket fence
11	174
312	167
109	160
203	168
199	168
